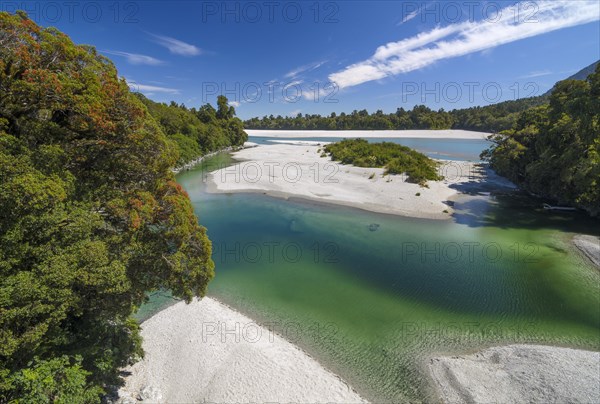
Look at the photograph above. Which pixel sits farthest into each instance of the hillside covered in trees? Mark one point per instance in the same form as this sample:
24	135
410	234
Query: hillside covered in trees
197	132
554	149
92	218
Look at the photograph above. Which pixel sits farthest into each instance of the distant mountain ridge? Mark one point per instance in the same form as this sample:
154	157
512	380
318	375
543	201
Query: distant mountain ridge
580	75
584	73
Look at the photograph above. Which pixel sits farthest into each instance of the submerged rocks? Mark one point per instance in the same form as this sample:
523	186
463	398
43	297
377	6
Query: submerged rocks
374	226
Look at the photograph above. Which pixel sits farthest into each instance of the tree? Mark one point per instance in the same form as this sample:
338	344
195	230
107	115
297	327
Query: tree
207	113
223	109
91	216
195	133
554	150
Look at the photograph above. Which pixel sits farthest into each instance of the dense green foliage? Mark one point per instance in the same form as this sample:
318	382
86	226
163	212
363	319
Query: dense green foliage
198	132
91	218
492	118
420	117
397	159
554	150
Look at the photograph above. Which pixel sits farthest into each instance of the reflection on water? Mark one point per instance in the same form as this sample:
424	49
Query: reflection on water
372	296
517	209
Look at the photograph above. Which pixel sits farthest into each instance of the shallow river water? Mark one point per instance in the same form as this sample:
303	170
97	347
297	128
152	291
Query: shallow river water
373	296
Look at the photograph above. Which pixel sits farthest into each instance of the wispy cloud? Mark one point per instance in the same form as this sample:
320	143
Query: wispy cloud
135	58
410	16
302	69
320	90
538	73
234	104
148	89
295	83
461	39
176	46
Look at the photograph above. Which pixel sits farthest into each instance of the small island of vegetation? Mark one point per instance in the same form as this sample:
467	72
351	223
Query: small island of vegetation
396	159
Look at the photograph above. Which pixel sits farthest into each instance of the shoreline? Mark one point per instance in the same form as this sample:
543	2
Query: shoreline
209	352
173	372
589	246
517	373
298	171
412	133
191	164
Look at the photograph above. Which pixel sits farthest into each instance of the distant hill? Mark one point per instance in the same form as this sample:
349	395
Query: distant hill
584	73
580	75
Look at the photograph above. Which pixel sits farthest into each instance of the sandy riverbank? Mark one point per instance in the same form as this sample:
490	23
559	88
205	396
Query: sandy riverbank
589	246
207	352
424	134
519	374
284	170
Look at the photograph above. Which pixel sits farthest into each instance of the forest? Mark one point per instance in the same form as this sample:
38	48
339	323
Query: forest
92	218
395	158
493	118
197	132
554	150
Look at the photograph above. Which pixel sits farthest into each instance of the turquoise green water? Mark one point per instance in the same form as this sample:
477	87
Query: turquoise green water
373	303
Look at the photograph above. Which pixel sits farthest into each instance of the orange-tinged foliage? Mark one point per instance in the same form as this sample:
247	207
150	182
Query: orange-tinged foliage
91	216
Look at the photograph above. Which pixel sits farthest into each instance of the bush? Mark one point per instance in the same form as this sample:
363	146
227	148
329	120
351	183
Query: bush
395	158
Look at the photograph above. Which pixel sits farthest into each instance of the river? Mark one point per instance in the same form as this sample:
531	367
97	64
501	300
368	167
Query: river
373	296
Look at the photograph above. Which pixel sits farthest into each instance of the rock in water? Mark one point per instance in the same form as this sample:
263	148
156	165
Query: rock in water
373	226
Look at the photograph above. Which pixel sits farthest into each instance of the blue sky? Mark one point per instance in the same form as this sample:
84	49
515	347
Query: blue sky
281	58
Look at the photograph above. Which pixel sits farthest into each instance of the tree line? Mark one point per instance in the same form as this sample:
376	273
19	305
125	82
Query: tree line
492	118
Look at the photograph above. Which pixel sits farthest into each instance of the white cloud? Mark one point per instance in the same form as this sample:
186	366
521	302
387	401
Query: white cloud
465	38
410	16
537	73
148	89
135	58
319	91
234	104
306	68
294	113
176	46
295	83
